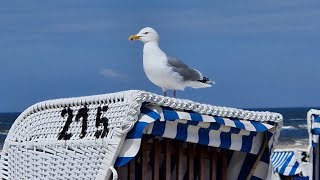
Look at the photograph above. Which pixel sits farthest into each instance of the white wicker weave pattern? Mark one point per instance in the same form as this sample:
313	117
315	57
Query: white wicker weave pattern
32	149
209	109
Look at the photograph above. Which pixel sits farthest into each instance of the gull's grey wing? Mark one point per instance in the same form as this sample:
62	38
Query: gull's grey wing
184	70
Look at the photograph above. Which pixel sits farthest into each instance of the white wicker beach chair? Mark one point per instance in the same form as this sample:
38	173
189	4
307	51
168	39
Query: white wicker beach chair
81	138
313	119
300	163
291	163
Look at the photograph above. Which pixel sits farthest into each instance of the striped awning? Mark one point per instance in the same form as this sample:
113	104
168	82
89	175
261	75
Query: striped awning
316	125
228	133
285	163
315	129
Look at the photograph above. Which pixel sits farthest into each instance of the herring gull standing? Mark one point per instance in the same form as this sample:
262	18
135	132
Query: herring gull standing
164	71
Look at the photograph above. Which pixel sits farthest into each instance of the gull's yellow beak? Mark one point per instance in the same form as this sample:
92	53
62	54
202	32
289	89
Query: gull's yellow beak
134	37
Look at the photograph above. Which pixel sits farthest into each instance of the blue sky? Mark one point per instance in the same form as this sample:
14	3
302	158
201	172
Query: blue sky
259	53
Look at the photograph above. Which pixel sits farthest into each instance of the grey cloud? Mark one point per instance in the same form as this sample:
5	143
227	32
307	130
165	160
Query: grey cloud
110	73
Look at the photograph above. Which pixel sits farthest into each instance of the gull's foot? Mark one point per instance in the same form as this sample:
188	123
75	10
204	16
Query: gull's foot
164	93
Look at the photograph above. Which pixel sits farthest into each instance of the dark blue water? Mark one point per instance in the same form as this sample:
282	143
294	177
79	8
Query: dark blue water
294	130
6	121
294	125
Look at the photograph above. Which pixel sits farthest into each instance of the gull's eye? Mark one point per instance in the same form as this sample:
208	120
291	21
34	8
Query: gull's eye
146	33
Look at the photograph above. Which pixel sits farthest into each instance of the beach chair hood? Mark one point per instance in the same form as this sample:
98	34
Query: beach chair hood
313	119
87	136
287	162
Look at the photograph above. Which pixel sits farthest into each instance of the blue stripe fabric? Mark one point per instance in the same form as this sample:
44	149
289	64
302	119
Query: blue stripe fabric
154	115
315	132
265	156
246	143
294	168
169	114
195	116
226	139
204	136
161	127
172	115
227	133
285	163
182	132
219	120
315	126
122	161
249	161
137	130
316	118
238	124
259	127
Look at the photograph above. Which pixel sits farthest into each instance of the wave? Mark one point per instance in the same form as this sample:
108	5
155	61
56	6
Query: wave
298	127
301	141
289	127
296	119
4	132
303	126
5	123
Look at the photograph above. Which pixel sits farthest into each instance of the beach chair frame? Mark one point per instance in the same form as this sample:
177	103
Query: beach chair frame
80	138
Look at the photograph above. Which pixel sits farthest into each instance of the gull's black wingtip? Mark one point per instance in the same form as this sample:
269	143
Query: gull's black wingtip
206	80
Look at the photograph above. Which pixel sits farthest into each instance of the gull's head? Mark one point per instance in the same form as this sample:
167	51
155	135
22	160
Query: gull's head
146	35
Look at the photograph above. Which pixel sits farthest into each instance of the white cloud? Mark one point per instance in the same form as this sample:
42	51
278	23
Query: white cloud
110	73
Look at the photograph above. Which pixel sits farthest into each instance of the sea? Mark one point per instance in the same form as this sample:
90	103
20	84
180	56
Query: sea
293	133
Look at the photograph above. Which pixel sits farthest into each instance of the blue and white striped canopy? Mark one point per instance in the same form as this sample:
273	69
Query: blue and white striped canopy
285	163
315	129
242	136
316	125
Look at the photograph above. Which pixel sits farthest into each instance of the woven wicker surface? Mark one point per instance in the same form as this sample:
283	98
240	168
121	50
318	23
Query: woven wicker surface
42	145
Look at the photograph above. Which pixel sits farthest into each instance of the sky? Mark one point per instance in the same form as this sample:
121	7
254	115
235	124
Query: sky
259	53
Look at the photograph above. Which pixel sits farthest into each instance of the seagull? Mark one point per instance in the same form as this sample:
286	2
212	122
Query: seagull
165	71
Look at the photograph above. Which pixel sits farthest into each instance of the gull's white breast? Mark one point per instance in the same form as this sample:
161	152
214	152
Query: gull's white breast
157	70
